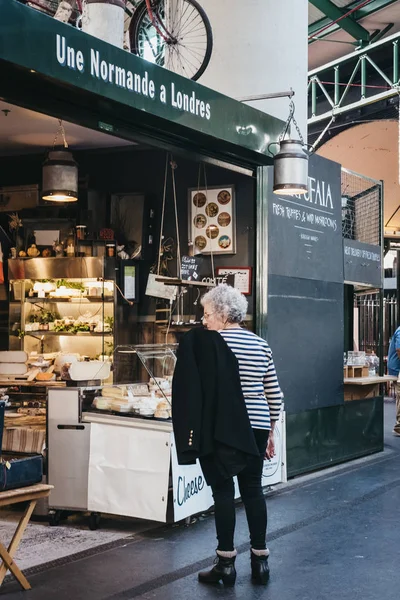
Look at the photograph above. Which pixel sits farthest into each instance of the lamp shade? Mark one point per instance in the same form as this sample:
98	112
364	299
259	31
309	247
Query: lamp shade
60	177
291	169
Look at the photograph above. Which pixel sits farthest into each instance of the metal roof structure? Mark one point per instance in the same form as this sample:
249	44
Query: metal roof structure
336	27
354	58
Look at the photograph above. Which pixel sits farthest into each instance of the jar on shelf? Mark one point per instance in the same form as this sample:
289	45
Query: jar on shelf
80	232
110	250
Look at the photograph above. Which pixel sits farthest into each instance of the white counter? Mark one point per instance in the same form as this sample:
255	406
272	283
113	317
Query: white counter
127	466
148	424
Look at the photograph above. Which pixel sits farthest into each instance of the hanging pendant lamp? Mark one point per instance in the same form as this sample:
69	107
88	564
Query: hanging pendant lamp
60	174
291	169
291	162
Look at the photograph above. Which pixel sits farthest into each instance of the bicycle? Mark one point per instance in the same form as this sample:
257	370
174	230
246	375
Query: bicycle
175	34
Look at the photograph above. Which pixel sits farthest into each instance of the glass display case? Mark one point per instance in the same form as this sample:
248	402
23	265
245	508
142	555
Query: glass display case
150	396
61	305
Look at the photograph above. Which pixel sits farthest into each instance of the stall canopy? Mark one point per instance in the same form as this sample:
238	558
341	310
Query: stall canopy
52	67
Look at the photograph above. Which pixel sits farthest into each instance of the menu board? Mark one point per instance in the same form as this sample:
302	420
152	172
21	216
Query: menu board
193	268
305	231
212	220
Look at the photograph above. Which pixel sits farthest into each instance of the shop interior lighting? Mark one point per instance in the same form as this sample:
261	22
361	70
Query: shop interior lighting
60	173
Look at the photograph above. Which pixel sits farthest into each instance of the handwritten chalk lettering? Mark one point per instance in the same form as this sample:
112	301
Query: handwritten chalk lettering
319	192
326	222
186	491
374	256
278	210
361	253
293	213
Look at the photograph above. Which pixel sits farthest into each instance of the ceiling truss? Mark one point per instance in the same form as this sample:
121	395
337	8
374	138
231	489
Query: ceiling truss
356	80
334	16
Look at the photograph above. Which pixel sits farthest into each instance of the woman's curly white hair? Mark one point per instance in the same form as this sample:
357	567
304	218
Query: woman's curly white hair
227	302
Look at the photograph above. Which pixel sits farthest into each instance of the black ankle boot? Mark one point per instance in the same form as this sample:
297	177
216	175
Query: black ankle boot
223	570
259	568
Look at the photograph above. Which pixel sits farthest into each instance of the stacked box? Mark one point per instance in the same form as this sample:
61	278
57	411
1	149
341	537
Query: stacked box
18	469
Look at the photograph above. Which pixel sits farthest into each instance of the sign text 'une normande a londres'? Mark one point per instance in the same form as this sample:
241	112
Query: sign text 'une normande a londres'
71	58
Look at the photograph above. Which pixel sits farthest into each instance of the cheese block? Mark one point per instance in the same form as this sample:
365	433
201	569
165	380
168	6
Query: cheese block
13	369
114	392
13	356
94	369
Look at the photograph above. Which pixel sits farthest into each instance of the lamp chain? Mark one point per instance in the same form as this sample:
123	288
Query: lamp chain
291	119
62	131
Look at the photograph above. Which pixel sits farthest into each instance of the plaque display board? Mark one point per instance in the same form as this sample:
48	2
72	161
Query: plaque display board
212	220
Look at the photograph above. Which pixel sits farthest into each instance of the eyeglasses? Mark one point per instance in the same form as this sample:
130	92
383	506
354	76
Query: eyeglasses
207	316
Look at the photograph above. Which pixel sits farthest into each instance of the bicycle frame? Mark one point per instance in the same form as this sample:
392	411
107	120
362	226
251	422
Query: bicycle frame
132	6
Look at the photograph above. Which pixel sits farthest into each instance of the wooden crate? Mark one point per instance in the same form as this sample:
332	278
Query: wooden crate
357	371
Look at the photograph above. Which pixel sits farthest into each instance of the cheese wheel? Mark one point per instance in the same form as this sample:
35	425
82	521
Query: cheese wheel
13	369
13	356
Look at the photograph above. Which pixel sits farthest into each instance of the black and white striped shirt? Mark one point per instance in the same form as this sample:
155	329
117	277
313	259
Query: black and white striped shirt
260	385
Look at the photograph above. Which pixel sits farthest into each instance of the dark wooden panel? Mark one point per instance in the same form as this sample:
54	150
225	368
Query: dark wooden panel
306	334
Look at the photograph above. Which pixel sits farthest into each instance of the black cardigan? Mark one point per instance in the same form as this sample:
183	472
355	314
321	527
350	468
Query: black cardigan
208	409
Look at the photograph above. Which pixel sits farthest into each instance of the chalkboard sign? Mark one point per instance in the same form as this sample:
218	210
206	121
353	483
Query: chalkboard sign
194	268
305	231
362	263
306	335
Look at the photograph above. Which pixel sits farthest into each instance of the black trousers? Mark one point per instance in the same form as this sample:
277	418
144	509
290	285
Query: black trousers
252	497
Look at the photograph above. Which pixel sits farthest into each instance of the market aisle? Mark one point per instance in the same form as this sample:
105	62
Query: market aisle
336	534
42	543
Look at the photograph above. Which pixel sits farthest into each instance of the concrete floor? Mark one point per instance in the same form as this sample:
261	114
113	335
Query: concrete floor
331	534
42	543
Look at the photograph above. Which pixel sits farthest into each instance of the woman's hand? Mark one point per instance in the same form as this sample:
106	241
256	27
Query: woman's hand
270	451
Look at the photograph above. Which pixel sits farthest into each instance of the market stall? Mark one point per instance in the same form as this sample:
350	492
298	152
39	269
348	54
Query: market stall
122	458
169	198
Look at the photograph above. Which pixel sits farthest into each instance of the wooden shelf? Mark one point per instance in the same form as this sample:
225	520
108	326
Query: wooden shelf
79	333
93	299
176	281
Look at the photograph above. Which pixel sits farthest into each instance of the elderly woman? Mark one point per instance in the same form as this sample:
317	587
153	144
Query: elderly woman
224	310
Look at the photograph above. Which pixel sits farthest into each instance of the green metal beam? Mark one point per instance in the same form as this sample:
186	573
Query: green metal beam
347	24
378	35
330	84
369	9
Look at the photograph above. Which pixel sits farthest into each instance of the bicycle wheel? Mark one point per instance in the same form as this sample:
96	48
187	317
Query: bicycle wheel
177	36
